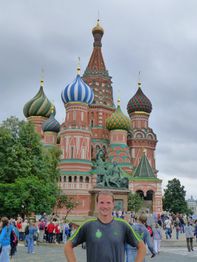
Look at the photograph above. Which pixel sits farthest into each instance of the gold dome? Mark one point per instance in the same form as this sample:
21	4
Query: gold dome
98	28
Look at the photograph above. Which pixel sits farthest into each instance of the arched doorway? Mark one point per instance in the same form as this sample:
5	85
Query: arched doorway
148	200
140	193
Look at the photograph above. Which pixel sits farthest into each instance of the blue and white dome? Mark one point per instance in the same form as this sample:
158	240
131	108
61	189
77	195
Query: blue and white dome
78	91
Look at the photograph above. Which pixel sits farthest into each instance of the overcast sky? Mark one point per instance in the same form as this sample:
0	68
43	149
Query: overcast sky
156	37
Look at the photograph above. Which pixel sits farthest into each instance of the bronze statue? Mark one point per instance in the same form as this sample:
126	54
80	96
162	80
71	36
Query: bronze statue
109	174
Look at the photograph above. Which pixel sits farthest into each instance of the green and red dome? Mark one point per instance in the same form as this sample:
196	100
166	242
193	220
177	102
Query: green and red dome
139	102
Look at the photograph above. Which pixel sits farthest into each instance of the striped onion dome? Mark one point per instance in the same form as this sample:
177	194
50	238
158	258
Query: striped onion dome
118	120
77	91
139	102
39	105
51	124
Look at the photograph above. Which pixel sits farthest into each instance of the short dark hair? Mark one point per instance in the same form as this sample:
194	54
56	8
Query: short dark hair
105	192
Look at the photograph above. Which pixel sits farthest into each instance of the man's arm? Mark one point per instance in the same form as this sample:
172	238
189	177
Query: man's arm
141	252
69	252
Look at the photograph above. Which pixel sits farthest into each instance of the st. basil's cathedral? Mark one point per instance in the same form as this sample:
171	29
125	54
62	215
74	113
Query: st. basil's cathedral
94	124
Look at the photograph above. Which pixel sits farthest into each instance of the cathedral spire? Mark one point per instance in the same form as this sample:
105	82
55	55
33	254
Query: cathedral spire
97	32
78	67
96	75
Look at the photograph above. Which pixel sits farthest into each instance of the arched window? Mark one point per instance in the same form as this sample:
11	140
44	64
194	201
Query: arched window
75	179
149	195
87	179
74	115
70	179
72	152
81	179
83	153
64	178
140	193
82	116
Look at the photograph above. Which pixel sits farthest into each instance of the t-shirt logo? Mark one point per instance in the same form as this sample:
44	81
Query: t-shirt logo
98	234
116	233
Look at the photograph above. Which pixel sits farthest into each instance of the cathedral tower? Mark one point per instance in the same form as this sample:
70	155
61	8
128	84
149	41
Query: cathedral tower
141	135
97	77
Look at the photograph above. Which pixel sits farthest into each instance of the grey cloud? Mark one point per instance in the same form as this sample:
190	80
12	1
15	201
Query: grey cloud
157	38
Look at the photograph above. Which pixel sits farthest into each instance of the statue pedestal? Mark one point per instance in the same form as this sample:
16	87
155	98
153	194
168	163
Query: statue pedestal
120	195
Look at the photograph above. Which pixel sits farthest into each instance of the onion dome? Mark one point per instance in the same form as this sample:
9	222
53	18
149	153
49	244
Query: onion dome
78	91
51	124
39	105
118	120
139	102
97	29
97	32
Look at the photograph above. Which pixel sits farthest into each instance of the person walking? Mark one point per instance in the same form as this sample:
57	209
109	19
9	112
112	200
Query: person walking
30	237
50	230
140	228
189	233
177	226
195	229
157	237
41	227
5	240
105	236
168	228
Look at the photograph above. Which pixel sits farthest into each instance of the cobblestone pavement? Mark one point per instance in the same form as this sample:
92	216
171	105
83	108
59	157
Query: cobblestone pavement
54	253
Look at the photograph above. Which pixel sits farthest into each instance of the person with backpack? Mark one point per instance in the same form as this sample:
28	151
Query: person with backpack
5	240
14	237
143	232
41	227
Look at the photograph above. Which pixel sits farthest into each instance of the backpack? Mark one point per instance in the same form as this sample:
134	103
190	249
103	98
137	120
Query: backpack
27	230
67	231
150	230
41	226
13	239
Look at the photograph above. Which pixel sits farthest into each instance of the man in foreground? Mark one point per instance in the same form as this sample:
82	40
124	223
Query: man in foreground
105	236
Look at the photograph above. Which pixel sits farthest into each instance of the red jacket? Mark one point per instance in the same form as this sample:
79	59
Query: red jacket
50	228
19	225
57	229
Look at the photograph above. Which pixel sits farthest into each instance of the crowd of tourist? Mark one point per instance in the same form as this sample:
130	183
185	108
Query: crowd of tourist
30	232
165	225
51	230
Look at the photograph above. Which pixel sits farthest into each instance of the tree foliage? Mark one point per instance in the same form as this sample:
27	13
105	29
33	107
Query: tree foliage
63	201
135	202
174	197
28	170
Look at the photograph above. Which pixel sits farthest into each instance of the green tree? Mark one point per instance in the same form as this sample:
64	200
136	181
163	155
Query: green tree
174	197
135	202
63	201
28	170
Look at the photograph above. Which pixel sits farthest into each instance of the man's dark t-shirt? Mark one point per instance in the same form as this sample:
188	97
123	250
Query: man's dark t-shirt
105	242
